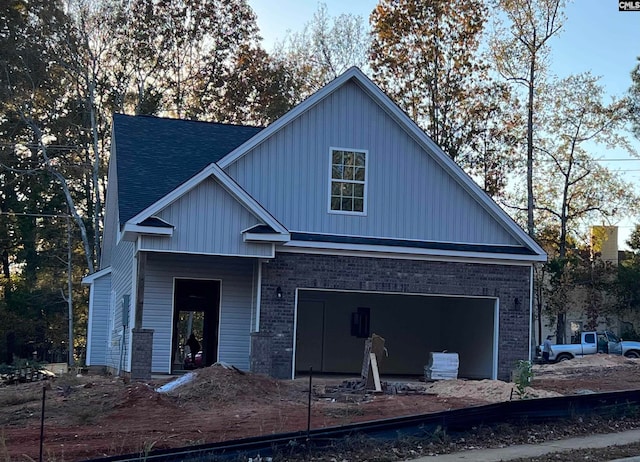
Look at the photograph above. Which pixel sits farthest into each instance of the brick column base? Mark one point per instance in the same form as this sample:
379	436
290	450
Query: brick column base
141	353
261	353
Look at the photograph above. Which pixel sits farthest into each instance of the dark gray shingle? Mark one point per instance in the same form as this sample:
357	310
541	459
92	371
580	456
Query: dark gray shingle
156	155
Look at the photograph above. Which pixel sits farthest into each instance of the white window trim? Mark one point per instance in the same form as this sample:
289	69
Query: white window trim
367	165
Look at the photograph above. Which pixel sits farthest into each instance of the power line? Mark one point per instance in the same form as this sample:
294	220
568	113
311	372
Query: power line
25	214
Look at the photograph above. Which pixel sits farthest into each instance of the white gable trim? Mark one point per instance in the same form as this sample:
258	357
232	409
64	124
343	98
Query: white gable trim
411	128
212	254
265	237
394	252
233	188
130	232
93	276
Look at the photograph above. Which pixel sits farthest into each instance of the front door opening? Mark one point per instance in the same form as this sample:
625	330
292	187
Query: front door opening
196	309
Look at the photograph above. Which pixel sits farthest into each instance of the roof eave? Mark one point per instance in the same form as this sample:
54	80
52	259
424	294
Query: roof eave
130	232
90	278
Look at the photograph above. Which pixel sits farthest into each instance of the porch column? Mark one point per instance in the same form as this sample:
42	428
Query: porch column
260	362
140	276
141	353
141	339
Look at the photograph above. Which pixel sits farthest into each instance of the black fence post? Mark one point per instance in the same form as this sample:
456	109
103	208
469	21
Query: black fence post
309	402
44	394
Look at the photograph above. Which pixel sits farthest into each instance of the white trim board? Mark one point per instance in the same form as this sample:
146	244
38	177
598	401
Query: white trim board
89	279
183	252
397	252
365	183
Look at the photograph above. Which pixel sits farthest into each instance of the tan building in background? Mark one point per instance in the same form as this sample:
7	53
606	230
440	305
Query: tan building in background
604	241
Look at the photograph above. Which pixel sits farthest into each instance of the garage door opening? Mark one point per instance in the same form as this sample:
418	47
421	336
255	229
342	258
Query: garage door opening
332	326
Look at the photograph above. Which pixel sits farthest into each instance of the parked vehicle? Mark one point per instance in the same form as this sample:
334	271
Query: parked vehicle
592	343
189	364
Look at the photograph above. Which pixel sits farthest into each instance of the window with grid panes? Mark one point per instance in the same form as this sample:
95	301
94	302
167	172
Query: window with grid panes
348	180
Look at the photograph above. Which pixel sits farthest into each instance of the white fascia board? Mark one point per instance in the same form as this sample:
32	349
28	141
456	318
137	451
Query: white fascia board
233	188
89	279
412	129
372	250
266	237
131	232
212	254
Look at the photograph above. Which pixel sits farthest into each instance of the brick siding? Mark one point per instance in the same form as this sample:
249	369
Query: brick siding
290	271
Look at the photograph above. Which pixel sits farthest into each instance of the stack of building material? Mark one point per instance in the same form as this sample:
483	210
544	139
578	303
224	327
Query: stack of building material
442	366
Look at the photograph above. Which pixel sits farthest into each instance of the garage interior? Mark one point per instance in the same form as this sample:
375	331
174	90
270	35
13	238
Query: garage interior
332	326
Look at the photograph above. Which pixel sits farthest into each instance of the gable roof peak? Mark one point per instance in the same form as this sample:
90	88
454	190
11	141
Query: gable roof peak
155	155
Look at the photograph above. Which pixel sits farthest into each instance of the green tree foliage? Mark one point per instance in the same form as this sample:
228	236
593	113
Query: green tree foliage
572	187
173	57
43	115
497	134
580	282
258	89
634	99
424	54
627	286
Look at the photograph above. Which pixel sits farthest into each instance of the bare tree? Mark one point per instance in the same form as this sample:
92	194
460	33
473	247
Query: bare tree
520	53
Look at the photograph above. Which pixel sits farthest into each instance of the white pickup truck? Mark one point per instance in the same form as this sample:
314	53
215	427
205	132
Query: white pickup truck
592	343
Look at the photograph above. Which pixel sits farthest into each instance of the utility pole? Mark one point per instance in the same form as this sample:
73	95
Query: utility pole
70	292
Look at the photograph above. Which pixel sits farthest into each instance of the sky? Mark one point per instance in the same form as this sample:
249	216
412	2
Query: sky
596	37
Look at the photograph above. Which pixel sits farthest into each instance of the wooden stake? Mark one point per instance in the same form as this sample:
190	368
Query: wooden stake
374	369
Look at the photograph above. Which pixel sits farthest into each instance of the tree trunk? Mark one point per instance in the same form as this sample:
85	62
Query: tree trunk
561	327
95	175
530	202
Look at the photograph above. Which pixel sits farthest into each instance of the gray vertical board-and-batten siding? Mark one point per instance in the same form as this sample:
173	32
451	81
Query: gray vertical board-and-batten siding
236	276
410	196
207	220
122	284
99	327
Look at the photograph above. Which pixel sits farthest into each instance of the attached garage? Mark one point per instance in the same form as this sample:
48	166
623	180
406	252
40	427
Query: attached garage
332	325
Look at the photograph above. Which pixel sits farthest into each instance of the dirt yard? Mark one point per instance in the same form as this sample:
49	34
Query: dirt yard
96	416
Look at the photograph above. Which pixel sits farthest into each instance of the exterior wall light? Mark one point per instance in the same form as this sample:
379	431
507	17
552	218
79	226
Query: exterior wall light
278	292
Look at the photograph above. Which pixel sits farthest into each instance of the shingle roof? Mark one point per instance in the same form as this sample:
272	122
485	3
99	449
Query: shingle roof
451	246
156	155
155	222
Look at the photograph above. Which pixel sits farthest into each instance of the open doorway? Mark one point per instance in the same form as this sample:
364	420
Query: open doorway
196	309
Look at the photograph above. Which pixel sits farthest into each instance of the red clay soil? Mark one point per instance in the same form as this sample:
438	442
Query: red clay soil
95	416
